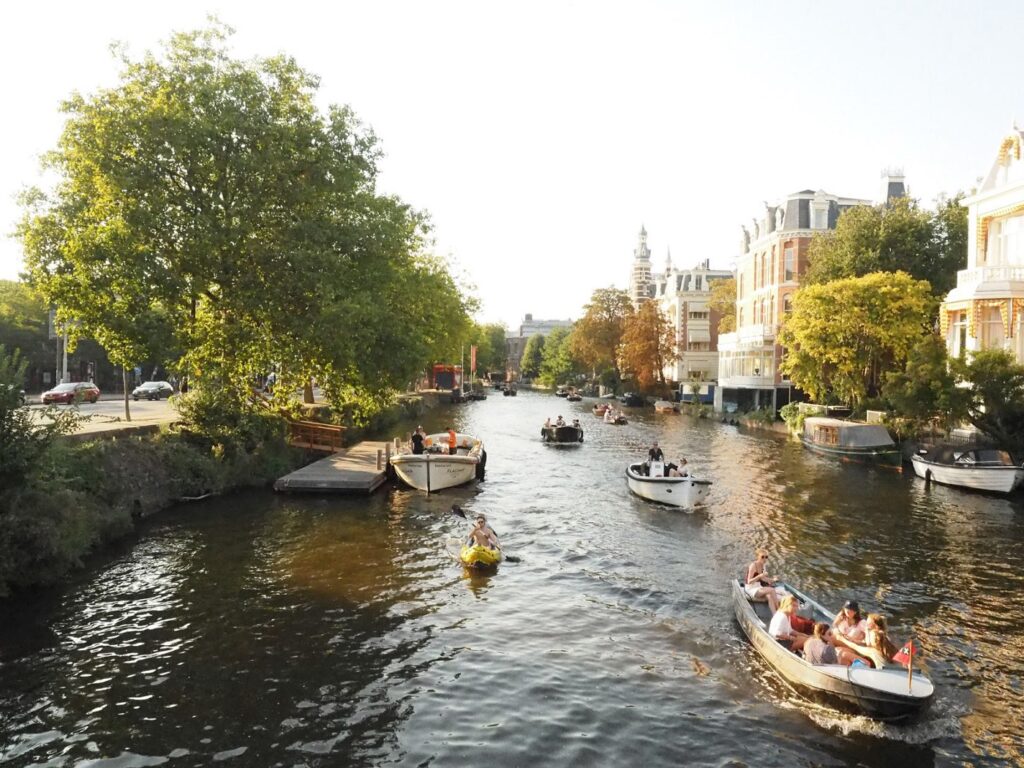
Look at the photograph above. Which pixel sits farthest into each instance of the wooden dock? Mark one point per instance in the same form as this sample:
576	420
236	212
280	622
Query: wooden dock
353	470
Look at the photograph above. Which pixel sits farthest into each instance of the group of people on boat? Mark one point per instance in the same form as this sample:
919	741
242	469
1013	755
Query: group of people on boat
850	639
559	422
420	443
669	469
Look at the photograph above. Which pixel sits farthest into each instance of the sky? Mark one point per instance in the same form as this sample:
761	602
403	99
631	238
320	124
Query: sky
540	136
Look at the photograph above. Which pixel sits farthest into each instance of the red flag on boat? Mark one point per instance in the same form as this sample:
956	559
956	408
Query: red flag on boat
906	653
472	358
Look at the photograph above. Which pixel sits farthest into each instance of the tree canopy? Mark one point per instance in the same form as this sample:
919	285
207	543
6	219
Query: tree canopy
723	303
597	335
995	383
843	336
648	345
533	356
210	197
898	236
557	362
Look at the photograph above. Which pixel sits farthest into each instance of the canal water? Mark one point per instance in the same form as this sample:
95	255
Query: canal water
268	630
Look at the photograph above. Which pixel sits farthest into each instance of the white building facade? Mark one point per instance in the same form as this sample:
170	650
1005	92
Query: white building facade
986	308
684	297
641	282
773	256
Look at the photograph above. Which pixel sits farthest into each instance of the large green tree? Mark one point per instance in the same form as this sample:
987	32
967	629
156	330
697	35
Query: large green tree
899	236
843	336
557	362
533	356
213	195
925	389
723	302
597	335
648	345
994	381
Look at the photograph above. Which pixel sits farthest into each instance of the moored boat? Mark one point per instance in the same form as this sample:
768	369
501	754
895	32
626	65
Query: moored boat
435	469
675	491
980	469
567	434
852	441
664	406
632	400
883	694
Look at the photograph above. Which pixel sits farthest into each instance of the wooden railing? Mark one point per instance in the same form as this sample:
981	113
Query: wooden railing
314	436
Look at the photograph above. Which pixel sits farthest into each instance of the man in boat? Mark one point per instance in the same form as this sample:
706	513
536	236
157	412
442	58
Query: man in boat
482	534
560	422
453	442
417	440
653	454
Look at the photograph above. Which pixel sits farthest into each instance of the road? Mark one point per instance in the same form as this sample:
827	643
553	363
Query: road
109	414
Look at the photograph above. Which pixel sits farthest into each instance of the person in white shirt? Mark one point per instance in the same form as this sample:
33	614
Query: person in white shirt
781	628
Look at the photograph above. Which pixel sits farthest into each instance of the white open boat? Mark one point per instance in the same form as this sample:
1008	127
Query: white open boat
981	469
675	491
435	469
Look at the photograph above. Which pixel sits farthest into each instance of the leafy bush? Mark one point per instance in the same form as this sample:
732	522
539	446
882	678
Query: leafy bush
793	417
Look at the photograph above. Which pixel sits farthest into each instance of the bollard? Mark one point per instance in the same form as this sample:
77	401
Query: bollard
380	453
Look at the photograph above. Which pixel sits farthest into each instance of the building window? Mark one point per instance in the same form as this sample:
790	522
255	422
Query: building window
789	264
991	331
765	279
772	275
739	287
958	337
787	304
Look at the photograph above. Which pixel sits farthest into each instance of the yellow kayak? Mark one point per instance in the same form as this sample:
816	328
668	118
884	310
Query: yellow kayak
477	556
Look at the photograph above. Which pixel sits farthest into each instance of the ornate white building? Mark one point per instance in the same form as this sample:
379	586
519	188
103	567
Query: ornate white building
641	284
684	295
986	309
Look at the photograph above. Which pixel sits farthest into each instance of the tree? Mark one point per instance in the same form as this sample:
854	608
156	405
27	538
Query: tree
213	193
843	336
557	363
895	237
23	323
533	356
491	352
926	387
597	335
723	303
995	387
951	233
648	345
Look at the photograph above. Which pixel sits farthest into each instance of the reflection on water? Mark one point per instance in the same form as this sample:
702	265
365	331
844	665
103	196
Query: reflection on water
265	630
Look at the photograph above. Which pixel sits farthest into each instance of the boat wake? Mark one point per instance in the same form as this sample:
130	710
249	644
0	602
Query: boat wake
938	723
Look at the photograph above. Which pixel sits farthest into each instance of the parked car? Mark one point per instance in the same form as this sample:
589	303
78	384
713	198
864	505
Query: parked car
153	390
72	392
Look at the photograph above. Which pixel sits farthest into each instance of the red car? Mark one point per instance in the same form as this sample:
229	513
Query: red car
74	392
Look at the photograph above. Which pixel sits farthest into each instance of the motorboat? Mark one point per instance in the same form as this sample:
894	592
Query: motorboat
632	400
674	491
566	434
573	396
664	406
852	441
610	417
884	694
435	469
562	391
510	390
980	469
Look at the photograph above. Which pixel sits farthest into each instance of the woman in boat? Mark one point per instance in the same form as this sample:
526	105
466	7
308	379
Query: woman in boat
782	629
878	649
849	623
677	470
759	585
817	649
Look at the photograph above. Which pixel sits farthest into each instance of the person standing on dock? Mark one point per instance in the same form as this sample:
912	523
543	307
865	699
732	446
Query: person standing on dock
453	442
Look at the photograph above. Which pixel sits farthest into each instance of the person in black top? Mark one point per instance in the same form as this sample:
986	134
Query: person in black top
654	454
417	440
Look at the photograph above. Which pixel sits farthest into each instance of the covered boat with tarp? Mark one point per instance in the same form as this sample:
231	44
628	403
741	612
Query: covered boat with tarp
852	441
980	469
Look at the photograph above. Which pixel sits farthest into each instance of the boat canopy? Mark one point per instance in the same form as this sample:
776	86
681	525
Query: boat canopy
963	456
846	434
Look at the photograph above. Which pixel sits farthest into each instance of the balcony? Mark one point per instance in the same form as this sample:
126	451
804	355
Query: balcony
1004	273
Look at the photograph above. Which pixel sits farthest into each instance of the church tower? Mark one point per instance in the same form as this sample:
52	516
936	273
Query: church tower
641	286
